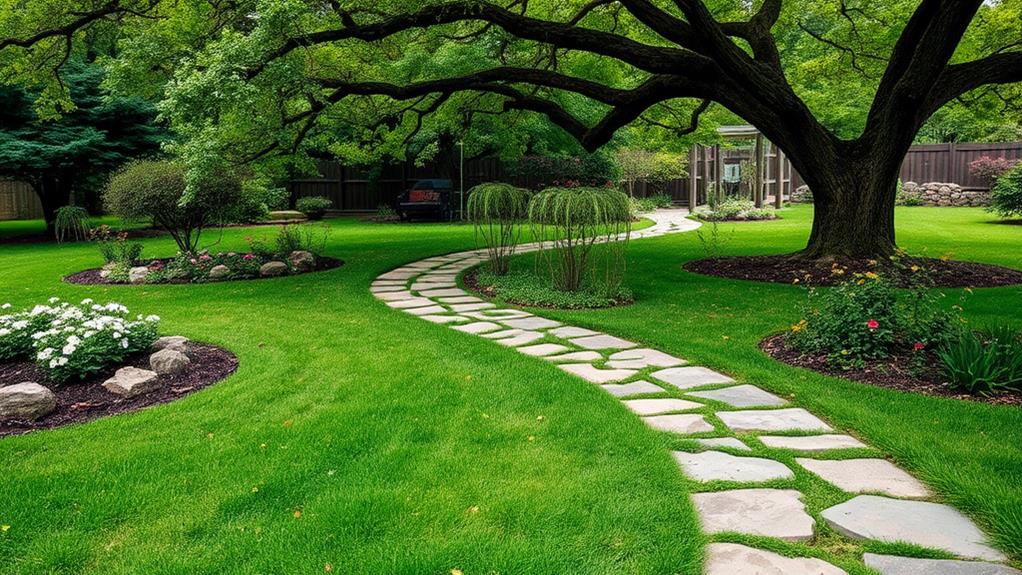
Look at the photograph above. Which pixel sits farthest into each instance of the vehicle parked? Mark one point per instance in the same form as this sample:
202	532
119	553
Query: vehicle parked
431	198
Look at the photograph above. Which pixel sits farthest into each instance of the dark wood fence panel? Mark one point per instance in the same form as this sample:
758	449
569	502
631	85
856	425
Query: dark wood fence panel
18	201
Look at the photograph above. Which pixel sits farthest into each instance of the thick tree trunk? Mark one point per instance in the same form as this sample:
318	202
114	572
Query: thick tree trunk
853	213
53	194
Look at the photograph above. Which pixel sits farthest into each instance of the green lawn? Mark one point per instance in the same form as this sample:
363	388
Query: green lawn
409	448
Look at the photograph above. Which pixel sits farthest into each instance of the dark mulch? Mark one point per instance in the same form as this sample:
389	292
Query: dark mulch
81	401
91	276
892	373
786	269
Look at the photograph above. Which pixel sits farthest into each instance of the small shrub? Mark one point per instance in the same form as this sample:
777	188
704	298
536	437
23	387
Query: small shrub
497	210
735	209
651	203
258	197
984	362
714	241
1006	195
294	237
525	288
314	207
115	248
386	213
71	224
989	169
16	330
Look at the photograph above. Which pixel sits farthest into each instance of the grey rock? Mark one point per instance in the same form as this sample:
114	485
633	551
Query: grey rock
720	466
219	272
107	269
531	323
26	401
683	423
791	419
543	349
595	374
735	559
575	356
741	396
303	261
570	331
602	342
732	442
660	405
132	381
138	274
641	358
630	389
443	319
867	476
478	327
175	342
691	376
427	310
273	269
523	338
891	565
410	302
812	443
776	513
463	307
445	292
169	362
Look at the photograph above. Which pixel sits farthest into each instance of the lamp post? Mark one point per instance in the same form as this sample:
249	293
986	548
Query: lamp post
461	180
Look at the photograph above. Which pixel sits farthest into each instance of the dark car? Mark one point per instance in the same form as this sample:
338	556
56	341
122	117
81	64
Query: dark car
427	199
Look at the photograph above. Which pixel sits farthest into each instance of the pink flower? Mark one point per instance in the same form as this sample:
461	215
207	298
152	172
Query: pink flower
194	261
872	324
248	256
205	257
918	346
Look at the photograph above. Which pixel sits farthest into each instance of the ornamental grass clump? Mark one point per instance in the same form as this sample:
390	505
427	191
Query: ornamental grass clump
497	210
577	219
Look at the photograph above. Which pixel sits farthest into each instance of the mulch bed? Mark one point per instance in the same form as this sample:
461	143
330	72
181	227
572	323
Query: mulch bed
786	269
92	277
892	373
81	401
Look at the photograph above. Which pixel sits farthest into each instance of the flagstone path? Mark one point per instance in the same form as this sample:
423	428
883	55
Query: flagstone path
884	503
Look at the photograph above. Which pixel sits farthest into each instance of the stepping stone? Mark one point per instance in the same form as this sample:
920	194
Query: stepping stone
421	264
425	286
411	302
720	466
577	356
633	388
399	274
521	339
503	333
731	442
679	423
444	318
433	309
891	565
691	376
570	331
534	322
640	358
595	374
478	327
386	289
776	513
919	522
460	299
791	419
395	296
388	283
735	559
661	405
812	442
498	314
461	307
867	476
443	292
542	349
741	396
602	342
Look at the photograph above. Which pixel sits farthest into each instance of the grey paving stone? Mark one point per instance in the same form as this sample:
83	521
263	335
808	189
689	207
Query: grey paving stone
867	476
395	295
498	314
399	274
731	442
595	374
478	327
791	419
576	356
526	337
812	443
421	265
634	388
570	331
543	349
438	279
463	307
679	423
735	559
776	513
443	292
641	358
460	299
444	318
503	333
660	405
411	302
920	522
891	565
720	466
533	323
602	342
741	396
424	286
387	289
690	376
433	309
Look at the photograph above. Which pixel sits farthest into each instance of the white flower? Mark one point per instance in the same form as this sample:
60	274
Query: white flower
117	335
54	299
73	340
53	363
124	343
45	354
68	349
86	301
153	318
19	325
5	306
4	332
61	361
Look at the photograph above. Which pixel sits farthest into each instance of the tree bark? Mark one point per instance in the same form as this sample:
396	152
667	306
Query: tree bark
53	193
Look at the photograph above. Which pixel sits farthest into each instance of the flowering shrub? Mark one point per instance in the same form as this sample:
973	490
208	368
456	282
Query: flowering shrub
989	169
74	340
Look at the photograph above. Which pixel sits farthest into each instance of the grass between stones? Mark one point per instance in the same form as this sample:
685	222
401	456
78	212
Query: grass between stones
364	438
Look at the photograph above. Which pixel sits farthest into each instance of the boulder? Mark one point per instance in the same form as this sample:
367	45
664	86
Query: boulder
169	362
138	274
26	401
302	260
273	269
107	269
175	342
219	272
132	381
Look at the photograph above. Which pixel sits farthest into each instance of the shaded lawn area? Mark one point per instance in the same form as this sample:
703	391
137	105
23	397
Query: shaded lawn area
364	438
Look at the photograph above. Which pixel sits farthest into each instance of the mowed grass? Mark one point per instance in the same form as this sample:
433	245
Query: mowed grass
365	439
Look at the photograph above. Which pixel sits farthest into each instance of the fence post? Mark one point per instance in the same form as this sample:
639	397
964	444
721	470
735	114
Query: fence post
778	177
693	162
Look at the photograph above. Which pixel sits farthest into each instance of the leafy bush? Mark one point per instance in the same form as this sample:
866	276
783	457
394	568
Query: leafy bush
578	219
497	210
596	169
314	207
258	197
524	288
984	362
115	248
16	330
294	237
156	189
385	213
71	223
989	169
1006	195
735	209
651	203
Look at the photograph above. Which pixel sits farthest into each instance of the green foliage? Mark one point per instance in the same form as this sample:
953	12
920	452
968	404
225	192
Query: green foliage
314	207
578	219
656	169
651	203
115	248
156	189
71	223
16	329
497	210
595	169
386	213
258	197
294	237
984	362
525	288
1006	195
713	241
735	209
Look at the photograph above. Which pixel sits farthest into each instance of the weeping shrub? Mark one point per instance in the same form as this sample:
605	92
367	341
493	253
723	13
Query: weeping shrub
71	224
497	211
578	219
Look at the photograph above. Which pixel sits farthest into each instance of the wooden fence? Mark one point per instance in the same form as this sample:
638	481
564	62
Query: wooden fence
18	201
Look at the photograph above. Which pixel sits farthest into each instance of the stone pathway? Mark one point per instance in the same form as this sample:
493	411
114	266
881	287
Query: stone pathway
883	502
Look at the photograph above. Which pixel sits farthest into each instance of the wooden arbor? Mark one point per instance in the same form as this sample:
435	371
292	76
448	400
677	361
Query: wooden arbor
706	164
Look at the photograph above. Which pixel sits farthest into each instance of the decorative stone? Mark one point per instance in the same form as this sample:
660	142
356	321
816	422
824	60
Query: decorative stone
732	442
302	261
720	466
660	405
542	349
571	331
219	272
523	338
891	565
138	274
595	374
735	559
396	296
477	327
379	289
26	401
602	342
273	269
445	292
410	302
399	274
175	342
498	314
791	419
421	286
463	307
503	333
460	299
132	381
169	362
812	443
107	269
691	376
443	319
919	522
641	358
867	476
576	356
533	323
741	396
420	311
633	388
776	513
683	423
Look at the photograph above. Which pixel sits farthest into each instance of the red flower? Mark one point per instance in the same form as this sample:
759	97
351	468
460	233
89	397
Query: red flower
872	324
918	346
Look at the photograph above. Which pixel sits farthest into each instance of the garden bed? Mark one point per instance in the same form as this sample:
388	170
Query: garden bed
787	269
93	276
82	401
894	372
527	289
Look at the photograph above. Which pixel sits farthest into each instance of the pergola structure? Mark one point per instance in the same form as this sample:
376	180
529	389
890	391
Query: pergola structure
701	167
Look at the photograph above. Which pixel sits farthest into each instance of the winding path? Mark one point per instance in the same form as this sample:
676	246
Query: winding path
883	503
